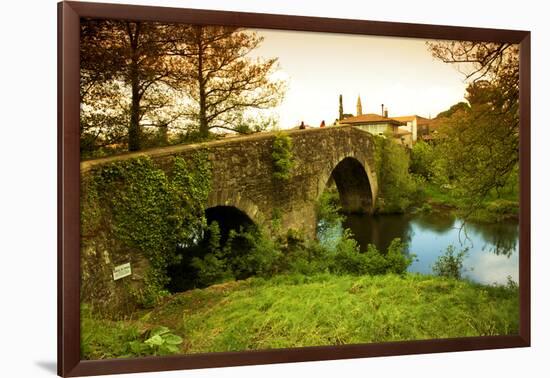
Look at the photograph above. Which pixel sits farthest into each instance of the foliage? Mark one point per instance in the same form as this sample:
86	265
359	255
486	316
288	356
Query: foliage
109	339
129	73
222	80
296	310
423	160
212	268
249	125
397	188
143	81
143	211
451	263
480	142
246	252
161	342
252	253
348	259
459	106
282	156
328	210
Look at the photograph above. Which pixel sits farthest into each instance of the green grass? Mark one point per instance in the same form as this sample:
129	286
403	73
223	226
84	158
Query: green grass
298	311
493	209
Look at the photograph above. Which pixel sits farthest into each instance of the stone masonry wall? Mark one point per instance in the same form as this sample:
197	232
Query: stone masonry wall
242	170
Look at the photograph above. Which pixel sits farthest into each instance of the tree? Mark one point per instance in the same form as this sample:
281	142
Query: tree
124	64
221	80
453	109
340	108
481	141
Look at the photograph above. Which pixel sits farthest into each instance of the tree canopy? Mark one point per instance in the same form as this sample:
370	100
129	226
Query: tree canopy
481	139
142	80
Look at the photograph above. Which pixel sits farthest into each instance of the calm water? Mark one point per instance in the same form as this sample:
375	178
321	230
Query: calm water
493	248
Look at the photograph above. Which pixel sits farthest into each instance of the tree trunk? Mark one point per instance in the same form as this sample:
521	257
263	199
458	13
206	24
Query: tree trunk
203	122
134	130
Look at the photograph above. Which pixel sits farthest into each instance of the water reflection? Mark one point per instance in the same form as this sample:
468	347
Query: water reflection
493	248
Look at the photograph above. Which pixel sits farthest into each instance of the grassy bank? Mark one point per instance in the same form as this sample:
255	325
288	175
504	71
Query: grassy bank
493	209
296	311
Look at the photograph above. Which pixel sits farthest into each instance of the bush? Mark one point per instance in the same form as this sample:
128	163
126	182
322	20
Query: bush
328	210
451	263
398	189
250	252
213	267
349	260
422	159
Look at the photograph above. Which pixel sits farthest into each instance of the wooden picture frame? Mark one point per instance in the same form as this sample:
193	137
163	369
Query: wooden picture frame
69	360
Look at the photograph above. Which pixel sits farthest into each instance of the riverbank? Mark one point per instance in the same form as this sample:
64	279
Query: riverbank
493	209
297	310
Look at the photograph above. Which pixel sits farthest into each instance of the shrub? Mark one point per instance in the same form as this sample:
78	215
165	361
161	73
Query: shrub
349	260
422	159
250	252
213	266
398	189
328	210
451	263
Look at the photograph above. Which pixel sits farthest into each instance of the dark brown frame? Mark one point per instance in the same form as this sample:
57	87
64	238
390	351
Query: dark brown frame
69	14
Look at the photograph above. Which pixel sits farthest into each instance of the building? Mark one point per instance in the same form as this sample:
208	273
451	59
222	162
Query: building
378	124
418	126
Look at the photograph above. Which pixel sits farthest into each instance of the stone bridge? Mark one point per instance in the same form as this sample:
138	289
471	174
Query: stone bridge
242	170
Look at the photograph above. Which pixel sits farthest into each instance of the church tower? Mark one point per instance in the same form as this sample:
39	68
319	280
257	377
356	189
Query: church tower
359	107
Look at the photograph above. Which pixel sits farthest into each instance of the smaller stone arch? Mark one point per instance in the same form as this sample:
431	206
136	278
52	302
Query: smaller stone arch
355	183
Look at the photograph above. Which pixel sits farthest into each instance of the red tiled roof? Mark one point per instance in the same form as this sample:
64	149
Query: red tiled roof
369	118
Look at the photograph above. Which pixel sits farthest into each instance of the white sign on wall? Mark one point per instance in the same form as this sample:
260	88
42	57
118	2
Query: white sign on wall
122	271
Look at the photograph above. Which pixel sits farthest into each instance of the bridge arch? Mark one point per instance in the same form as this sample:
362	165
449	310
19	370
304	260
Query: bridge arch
228	218
354	181
225	198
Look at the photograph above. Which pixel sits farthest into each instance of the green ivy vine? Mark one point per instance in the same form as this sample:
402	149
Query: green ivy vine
281	154
145	210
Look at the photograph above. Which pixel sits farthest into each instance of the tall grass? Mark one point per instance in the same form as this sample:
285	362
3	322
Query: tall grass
324	309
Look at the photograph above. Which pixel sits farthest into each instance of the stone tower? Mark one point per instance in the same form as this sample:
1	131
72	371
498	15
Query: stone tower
359	107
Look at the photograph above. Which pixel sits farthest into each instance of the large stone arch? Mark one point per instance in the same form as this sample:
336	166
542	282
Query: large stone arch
355	181
224	198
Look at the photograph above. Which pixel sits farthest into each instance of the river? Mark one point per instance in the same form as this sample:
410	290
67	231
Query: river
492	247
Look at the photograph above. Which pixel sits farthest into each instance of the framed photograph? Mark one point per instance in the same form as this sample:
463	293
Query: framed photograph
239	188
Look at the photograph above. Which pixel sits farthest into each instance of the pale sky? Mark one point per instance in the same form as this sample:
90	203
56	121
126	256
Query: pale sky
397	72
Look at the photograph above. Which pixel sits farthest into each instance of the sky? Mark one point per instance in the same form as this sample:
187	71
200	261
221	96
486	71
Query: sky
397	72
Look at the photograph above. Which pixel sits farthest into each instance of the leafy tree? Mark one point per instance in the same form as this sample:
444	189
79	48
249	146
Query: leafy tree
127	68
481	141
222	81
459	106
